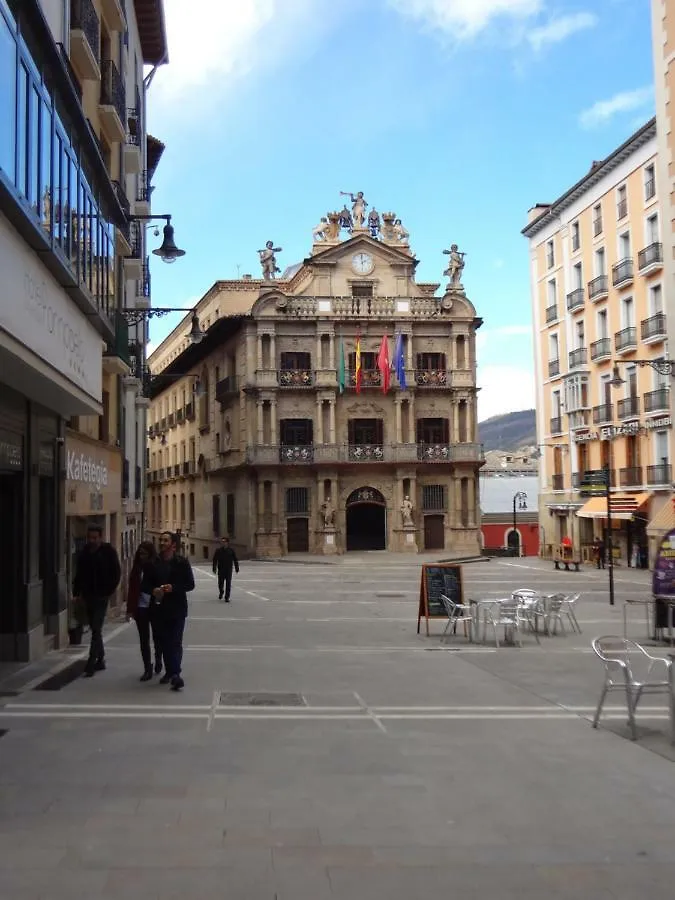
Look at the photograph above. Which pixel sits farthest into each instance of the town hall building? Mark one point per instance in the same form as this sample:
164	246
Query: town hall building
327	410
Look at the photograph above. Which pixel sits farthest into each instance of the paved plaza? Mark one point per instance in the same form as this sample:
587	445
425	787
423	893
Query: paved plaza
322	749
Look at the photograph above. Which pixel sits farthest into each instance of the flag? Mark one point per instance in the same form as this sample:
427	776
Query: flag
357	364
383	363
399	363
341	368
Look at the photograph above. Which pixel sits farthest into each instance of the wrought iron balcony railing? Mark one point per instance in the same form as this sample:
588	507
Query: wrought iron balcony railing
603	414
83	16
657	400
601	349
296	378
431	378
622	272
630	476
598	287
112	89
660	474
652	255
626	339
653	327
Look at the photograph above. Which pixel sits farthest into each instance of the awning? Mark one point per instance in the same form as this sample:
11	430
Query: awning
663	521
624	506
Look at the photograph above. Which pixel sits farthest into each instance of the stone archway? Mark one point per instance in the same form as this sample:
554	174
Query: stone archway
366	513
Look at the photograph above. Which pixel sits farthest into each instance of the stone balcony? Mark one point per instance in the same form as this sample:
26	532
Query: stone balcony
349	307
318	454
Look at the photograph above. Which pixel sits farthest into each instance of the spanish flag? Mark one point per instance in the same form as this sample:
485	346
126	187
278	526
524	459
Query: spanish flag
357	367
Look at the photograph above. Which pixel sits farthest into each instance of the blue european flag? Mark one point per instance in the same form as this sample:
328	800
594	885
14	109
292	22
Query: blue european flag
399	362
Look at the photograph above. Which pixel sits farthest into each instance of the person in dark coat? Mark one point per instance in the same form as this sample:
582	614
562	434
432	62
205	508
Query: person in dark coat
169	579
97	574
599	552
143	609
224	560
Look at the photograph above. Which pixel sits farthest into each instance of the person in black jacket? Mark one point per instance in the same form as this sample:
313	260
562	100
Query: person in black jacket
169	579
97	574
224	559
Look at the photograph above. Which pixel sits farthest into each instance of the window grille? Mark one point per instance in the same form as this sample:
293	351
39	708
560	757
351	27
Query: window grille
433	497
297	500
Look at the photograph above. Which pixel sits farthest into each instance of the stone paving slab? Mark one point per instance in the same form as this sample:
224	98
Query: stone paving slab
472	772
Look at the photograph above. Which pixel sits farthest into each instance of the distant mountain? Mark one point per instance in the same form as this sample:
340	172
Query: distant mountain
509	432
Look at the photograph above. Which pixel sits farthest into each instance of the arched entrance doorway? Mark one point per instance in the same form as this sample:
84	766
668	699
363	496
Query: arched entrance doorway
513	542
366	520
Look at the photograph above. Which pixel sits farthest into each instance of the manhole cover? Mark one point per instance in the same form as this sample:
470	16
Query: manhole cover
261	698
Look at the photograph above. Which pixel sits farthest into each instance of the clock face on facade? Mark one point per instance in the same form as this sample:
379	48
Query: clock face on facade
363	263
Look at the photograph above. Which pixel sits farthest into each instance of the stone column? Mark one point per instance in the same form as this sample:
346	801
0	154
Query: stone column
274	425
273	352
275	504
455	422
399	434
259	353
331	348
412	430
472	502
261	505
409	351
318	362
259	405
319	421
332	421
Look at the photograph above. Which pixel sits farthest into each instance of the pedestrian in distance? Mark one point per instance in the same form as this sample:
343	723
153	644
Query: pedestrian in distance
168	580
144	610
97	575
224	560
599	552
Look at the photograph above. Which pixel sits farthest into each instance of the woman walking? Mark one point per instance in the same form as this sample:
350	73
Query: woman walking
143	609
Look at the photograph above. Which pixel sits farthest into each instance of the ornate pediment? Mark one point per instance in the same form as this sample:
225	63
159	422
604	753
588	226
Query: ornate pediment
364	408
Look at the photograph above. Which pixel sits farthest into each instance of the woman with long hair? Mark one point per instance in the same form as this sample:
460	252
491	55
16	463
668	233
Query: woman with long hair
143	609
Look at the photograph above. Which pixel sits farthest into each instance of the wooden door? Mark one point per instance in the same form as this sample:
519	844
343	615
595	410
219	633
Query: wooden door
297	535
434	533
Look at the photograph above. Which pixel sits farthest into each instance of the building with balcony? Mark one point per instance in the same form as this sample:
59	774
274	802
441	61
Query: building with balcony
71	98
286	448
597	280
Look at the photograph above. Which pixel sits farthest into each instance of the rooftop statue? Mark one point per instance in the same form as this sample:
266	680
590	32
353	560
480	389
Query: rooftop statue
455	266
359	207
374	222
268	260
345	219
401	233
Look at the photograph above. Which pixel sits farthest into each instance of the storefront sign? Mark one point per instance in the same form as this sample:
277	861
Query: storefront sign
37	312
93	478
663	580
86	468
11	451
609	432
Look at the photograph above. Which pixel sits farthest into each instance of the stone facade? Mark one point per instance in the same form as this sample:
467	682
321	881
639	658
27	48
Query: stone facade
274	437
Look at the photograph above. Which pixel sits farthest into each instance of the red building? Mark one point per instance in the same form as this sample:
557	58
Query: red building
498	491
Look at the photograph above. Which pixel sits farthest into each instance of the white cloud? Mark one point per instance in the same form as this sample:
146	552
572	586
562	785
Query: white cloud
626	101
560	29
213	43
495	336
504	388
464	19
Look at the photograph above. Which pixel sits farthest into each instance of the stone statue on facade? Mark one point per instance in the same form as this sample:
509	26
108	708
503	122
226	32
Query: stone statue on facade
328	513
332	230
374	222
268	260
359	207
388	232
401	233
319	231
455	266
407	512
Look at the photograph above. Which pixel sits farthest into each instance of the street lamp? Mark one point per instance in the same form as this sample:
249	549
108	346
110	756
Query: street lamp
135	316
168	252
520	497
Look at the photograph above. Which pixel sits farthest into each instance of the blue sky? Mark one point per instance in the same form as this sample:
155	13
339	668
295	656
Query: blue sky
458	115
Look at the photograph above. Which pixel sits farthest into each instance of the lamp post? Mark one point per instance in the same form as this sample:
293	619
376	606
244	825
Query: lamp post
168	252
520	497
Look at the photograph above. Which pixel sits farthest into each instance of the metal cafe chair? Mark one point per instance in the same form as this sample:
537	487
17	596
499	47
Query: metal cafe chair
457	613
653	675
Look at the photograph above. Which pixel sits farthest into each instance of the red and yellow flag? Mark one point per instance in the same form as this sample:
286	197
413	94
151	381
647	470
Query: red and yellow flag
357	367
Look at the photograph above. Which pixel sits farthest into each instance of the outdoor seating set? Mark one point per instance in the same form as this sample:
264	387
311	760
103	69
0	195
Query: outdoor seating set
525	612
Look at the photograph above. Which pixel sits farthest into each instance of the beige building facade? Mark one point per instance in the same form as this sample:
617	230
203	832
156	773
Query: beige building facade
254	432
599	308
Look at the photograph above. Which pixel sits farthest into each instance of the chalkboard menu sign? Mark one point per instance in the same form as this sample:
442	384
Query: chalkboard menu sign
437	579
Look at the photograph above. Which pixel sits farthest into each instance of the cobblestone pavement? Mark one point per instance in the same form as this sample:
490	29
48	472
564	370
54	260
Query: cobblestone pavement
322	749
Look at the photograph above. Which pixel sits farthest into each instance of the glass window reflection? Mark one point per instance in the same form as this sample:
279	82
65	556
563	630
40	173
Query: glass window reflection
7	100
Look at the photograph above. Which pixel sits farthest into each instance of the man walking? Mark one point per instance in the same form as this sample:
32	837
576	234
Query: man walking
169	579
224	560
97	574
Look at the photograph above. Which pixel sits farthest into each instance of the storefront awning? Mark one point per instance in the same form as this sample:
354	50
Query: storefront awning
663	521
624	506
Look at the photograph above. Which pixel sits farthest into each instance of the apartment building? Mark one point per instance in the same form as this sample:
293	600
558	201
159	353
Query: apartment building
597	279
279	428
74	164
663	31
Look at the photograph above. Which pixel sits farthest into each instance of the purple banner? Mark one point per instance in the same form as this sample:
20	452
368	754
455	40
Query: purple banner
663	581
